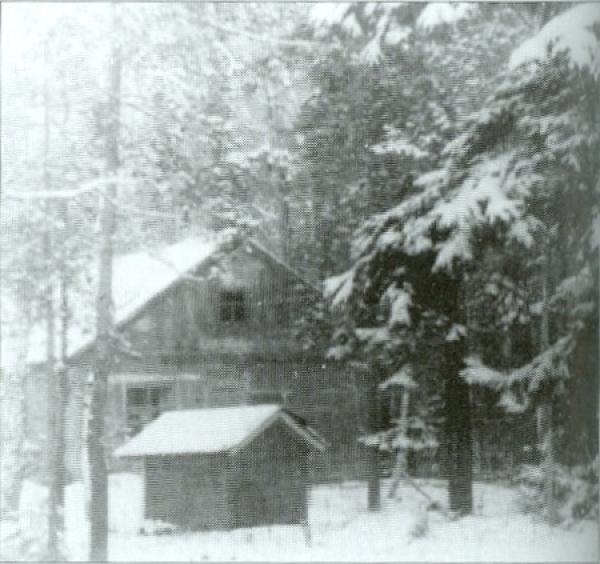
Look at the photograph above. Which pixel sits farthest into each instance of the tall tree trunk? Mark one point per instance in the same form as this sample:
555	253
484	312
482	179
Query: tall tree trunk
401	454
53	431
544	410
458	431
458	423
104	320
374	481
62	370
53	550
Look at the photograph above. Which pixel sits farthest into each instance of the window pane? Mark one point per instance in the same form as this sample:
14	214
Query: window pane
144	405
232	307
136	396
155	395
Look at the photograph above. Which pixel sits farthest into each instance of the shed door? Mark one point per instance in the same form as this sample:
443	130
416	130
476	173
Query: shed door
250	506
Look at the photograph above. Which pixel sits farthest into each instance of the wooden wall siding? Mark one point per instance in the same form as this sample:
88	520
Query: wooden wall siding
162	489
275	465
186	319
211	491
322	393
188	491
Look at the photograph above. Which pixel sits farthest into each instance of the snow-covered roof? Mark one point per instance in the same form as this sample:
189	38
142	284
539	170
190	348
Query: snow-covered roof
204	431
138	278
141	276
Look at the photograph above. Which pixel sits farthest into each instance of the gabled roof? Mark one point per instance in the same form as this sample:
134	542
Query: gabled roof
138	278
205	431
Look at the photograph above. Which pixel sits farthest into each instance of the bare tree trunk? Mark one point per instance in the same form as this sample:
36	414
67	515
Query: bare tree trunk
53	550
62	370
104	321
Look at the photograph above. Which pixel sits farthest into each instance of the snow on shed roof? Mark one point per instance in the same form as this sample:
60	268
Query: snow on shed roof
204	431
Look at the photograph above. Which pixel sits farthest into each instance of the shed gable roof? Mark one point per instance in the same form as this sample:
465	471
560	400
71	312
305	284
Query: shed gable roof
205	431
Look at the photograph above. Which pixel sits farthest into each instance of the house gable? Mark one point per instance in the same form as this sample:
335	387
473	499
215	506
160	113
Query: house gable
172	283
240	303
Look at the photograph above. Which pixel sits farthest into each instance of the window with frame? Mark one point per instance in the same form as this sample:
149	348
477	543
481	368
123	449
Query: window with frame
232	306
144	404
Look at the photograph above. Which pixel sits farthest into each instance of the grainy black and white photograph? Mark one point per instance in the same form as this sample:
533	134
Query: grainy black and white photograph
299	281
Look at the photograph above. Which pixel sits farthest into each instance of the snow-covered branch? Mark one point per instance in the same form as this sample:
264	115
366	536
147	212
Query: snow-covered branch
302	43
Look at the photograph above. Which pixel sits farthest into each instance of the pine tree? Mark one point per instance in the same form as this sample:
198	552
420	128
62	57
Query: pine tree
402	262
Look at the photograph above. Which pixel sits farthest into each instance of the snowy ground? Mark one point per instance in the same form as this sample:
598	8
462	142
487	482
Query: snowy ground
342	529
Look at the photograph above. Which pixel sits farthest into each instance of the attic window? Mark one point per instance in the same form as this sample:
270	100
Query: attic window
233	306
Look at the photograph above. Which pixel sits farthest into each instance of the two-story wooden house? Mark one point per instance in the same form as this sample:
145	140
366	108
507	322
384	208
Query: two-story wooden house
203	324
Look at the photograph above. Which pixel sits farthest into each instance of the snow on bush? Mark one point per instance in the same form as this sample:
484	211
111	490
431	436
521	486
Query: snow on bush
403	378
401	303
420	525
575	490
338	288
157	527
439	13
475	372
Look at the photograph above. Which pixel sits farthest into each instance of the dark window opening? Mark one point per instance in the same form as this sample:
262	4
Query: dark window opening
144	405
233	306
136	397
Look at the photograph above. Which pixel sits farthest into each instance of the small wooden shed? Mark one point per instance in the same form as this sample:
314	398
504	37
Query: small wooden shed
225	468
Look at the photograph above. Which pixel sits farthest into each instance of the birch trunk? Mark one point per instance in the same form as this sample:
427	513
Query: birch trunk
53	550
62	370
104	319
